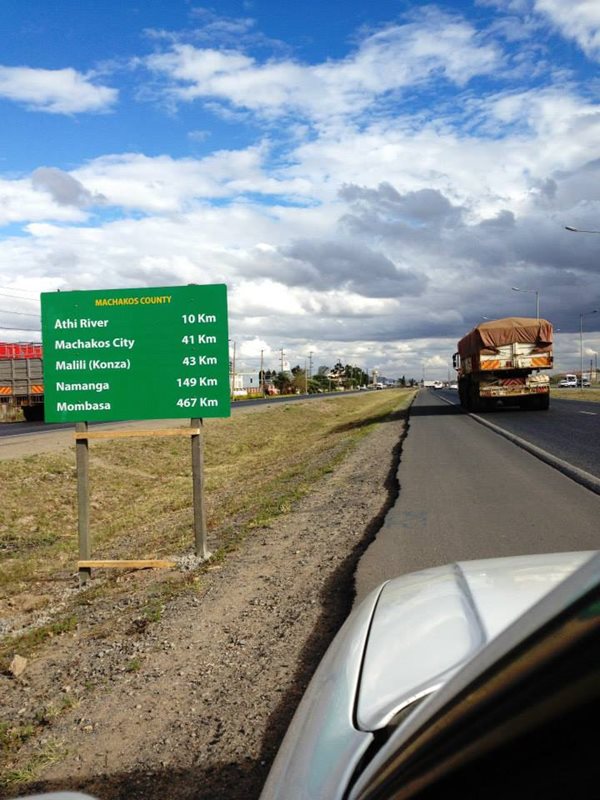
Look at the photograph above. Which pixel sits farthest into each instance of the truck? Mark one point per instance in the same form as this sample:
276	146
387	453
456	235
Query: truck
502	360
21	379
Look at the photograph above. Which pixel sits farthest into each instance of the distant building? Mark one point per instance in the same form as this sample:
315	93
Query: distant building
244	383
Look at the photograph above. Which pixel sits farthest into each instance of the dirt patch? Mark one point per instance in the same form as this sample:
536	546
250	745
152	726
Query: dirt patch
193	702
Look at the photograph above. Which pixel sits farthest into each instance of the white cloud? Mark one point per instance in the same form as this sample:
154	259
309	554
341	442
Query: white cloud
575	19
438	46
64	189
55	91
21	202
378	239
163	184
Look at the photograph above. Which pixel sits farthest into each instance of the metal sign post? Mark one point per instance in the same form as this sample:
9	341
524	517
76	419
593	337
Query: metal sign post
198	483
83	499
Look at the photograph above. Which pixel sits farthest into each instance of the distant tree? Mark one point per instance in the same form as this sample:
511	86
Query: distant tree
352	376
299	381
283	382
321	381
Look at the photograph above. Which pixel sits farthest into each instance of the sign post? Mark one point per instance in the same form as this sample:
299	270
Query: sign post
133	354
82	456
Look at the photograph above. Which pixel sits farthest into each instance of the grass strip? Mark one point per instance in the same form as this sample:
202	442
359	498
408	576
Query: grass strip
256	466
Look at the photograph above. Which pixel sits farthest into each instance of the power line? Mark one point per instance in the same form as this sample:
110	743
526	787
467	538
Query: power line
31	330
19	313
20	295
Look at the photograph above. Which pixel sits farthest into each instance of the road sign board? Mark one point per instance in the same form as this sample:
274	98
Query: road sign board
125	354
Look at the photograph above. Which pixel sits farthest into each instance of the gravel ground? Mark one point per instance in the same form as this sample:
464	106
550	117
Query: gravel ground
195	705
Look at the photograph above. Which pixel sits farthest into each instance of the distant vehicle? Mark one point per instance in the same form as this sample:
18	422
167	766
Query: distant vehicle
569	380
501	360
476	679
438	385
21	378
453	386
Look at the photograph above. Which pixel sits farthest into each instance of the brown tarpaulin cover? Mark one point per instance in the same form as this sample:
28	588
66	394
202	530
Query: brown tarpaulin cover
510	330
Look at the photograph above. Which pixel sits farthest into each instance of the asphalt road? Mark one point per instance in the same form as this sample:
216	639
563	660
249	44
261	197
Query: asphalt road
569	429
468	493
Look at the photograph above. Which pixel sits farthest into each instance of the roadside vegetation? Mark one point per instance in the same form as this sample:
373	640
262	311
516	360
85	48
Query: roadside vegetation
590	395
257	465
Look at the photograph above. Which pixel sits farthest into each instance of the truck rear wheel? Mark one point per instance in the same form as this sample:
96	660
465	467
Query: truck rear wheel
462	393
543	402
474	398
33	413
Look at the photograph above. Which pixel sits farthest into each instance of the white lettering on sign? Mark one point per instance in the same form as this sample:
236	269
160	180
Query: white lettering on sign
203	361
82	387
202	319
81	344
96	364
93	323
91	344
85	406
198	338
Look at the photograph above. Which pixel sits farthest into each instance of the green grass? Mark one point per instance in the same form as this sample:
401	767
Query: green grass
591	395
51	753
256	465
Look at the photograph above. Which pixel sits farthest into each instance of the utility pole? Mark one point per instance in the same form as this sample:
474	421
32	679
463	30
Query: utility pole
234	369
233	373
282	355
305	378
310	364
262	374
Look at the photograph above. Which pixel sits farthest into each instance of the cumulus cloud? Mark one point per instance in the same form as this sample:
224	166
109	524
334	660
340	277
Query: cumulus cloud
21	202
578	20
65	190
438	46
324	265
384	211
163	184
382	235
55	91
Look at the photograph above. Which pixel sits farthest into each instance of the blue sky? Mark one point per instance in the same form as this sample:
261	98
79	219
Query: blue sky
369	179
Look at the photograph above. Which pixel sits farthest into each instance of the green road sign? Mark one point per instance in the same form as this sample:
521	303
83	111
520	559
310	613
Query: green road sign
118	354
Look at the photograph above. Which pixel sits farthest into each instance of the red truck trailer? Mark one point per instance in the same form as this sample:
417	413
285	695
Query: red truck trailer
21	381
501	359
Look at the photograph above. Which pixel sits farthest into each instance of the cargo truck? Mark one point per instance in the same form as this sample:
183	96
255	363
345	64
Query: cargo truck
21	381
501	360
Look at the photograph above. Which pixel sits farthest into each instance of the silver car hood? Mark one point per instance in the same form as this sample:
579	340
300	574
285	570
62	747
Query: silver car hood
427	624
405	640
